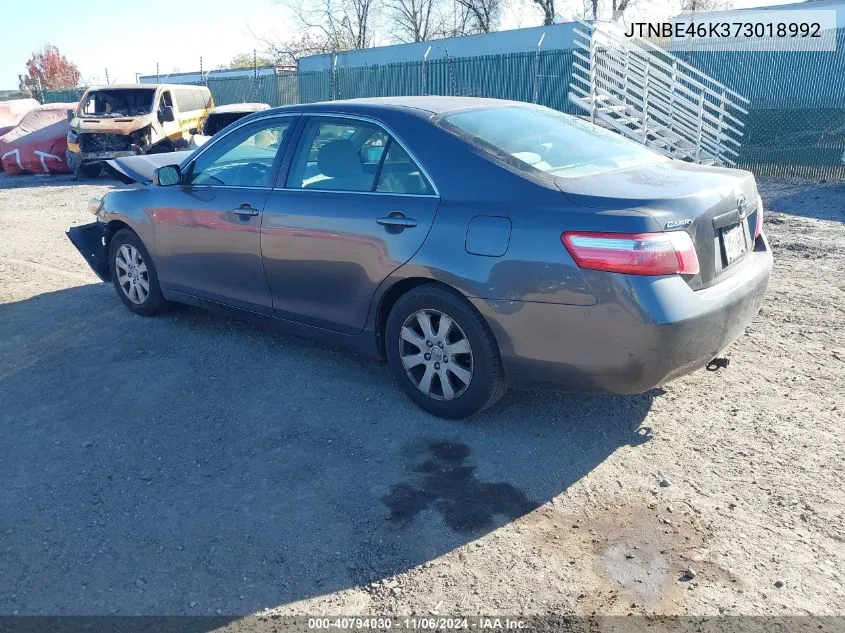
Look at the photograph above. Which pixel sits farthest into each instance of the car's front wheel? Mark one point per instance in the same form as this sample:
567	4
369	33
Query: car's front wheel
134	275
443	353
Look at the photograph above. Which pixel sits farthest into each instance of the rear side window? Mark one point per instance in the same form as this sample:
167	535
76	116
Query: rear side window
190	99
545	140
351	155
400	174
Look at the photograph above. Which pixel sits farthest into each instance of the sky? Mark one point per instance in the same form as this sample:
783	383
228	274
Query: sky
131	37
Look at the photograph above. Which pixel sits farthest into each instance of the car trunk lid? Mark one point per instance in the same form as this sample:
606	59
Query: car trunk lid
716	206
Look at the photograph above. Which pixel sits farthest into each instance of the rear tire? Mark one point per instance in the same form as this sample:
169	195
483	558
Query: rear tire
134	274
443	353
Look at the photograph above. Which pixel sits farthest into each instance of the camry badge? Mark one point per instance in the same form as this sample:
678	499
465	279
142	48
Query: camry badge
674	224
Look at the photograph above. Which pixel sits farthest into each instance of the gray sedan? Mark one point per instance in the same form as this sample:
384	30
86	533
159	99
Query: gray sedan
472	243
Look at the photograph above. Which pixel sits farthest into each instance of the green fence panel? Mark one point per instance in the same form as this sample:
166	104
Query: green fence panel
795	124
72	95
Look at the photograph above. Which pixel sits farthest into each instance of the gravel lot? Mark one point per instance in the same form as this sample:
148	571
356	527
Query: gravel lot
196	464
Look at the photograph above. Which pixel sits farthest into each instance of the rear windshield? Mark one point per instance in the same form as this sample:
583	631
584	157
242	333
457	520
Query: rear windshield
549	141
117	103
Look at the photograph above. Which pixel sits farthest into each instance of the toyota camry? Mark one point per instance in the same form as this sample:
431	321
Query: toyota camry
473	244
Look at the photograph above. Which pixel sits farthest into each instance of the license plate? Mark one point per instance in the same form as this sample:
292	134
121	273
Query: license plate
733	239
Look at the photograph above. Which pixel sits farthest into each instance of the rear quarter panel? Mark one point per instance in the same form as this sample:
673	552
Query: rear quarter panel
473	184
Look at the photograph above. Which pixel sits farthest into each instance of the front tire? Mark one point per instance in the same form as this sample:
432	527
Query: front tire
443	353
89	170
134	275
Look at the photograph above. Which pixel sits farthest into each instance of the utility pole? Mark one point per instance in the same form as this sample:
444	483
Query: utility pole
334	76
255	74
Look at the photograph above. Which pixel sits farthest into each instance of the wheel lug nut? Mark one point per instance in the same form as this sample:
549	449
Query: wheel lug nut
427	357
440	345
429	343
437	365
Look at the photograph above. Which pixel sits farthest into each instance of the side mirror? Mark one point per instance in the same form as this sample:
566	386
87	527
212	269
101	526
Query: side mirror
70	115
167	114
168	176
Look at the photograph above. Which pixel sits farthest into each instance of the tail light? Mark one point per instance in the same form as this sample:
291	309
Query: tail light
633	253
758	221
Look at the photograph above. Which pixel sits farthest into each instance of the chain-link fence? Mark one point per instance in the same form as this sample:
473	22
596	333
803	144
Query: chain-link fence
795	126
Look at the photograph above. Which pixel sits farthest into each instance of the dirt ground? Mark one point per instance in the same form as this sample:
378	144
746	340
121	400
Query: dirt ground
198	464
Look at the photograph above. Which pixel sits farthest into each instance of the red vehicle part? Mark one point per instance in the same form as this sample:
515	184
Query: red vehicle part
38	143
11	113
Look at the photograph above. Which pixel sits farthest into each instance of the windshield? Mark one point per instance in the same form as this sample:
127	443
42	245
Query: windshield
550	141
216	122
116	103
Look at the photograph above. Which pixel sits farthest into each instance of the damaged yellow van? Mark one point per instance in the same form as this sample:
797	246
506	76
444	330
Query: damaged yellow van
115	121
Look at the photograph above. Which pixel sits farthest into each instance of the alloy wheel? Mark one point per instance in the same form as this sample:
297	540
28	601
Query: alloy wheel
132	275
436	354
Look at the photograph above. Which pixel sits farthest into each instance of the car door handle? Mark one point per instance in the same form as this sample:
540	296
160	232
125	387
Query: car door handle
245	209
397	220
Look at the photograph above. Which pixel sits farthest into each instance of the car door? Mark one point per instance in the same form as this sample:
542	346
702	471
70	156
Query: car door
207	229
354	207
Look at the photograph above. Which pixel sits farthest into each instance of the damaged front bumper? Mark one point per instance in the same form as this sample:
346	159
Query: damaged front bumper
90	241
74	159
89	157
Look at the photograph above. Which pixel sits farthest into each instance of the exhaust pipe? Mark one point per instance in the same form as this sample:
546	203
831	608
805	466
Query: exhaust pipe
720	362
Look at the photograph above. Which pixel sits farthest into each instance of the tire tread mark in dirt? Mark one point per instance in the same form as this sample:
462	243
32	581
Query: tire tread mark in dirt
445	482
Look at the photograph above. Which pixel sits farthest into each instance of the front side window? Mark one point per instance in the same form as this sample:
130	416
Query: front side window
166	101
243	158
549	141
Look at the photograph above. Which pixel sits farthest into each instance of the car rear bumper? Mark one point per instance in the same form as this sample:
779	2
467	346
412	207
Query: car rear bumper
642	332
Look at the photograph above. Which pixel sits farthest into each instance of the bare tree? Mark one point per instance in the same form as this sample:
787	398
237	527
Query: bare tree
341	24
548	9
618	8
483	14
415	20
288	51
691	6
457	21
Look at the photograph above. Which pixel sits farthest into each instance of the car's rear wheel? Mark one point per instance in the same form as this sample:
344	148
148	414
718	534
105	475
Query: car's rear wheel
134	275
443	353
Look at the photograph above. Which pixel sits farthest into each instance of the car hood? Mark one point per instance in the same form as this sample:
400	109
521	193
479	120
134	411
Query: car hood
140	169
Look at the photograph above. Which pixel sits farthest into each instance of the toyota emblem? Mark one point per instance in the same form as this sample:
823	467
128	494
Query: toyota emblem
742	206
